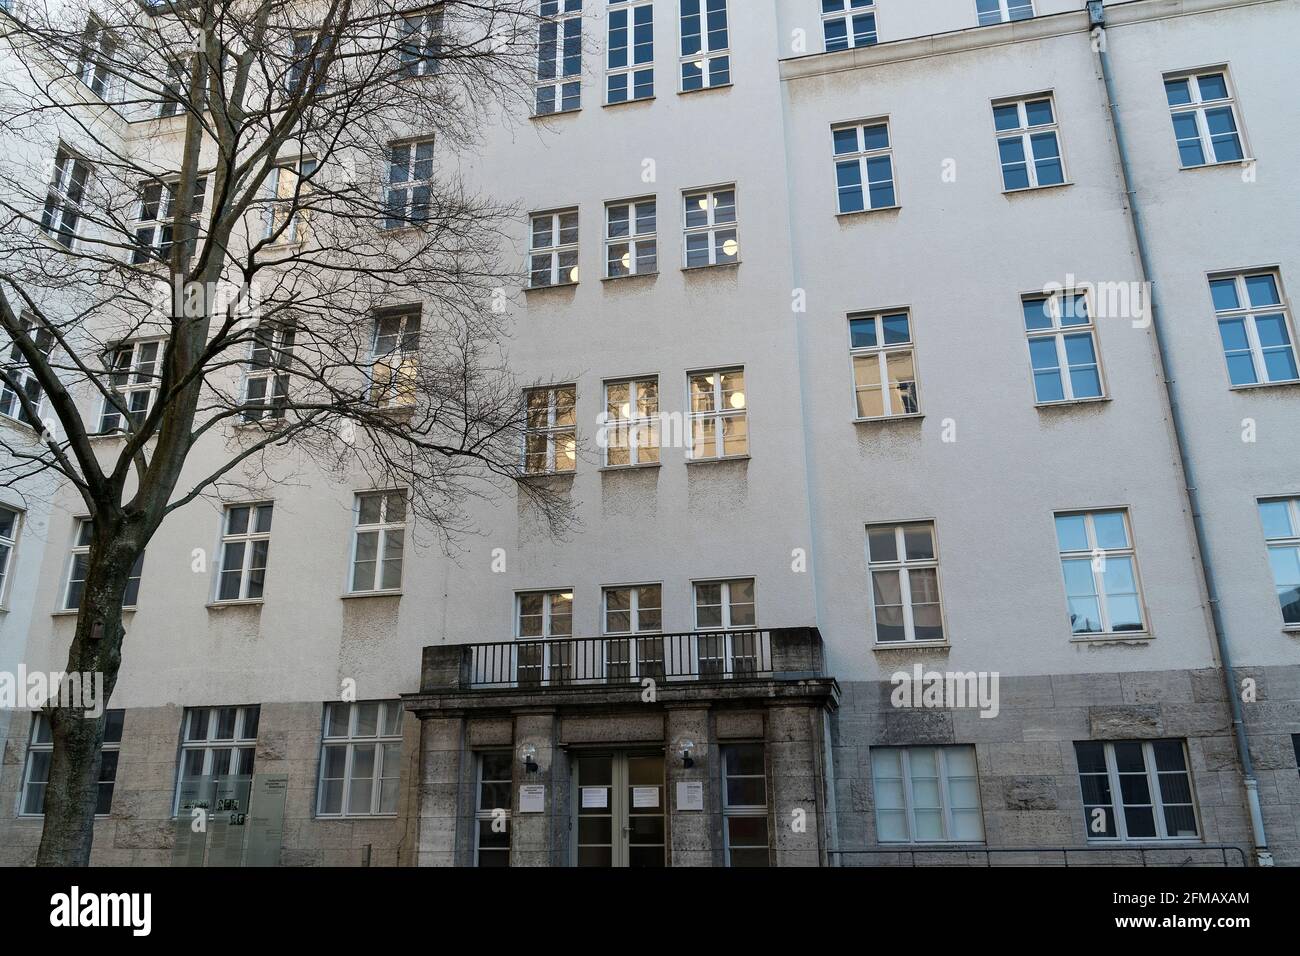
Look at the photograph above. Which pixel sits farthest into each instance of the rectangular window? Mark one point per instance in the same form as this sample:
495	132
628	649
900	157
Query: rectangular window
266	379
719	414
553	249
744	805
216	742
361	759
154	220
62	209
290	196
79	565
904	565
559	57
1281	520
133	378
634	610
926	795
395	365
1000	11
176	85
1028	143
863	156
542	615
848	23
1062	348
711	237
492	810
377	542
40	751
1101	574
410	183
21	373
97	49
884	366
245	548
1151	782
10	521
1205	118
630	53
724	604
705	59
421	42
1254	328
551	437
631	425
630	245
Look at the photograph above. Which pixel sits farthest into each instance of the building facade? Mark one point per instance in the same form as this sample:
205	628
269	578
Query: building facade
840	333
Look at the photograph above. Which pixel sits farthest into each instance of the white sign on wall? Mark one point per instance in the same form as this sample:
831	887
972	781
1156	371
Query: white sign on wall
690	795
532	798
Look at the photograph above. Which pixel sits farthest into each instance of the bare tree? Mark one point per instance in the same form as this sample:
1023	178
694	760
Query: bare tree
250	239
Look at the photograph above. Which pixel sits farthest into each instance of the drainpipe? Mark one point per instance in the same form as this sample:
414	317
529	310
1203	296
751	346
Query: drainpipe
1097	20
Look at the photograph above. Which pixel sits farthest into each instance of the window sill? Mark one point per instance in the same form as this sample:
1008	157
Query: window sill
1244	161
1291	382
546	116
1129	637
550	288
1029	190
637	466
910	645
632	275
633	102
706	89
857	213
74	611
722	459
1071	402
889	419
546	475
348	818
245	602
19	426
711	266
361	595
1293	629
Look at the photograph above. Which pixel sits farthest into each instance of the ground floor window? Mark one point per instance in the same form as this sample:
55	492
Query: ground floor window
40	750
926	795
492	812
744	805
216	742
1136	790
361	759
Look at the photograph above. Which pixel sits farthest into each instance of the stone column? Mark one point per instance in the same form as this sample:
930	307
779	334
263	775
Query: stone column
441	753
690	832
793	738
533	836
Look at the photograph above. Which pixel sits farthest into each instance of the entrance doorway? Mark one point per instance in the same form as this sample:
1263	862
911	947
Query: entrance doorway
619	809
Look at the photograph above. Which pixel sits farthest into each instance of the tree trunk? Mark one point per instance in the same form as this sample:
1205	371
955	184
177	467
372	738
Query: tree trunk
96	648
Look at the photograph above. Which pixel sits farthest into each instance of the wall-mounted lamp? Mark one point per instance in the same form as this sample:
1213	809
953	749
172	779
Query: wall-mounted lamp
528	756
687	747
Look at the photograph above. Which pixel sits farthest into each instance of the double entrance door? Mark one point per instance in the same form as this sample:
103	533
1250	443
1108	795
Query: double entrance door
618	814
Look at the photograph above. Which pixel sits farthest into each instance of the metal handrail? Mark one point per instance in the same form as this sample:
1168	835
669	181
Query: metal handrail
1224	849
621	659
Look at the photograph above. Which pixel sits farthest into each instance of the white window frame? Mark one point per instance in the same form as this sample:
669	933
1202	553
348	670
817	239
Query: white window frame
632	68
1249	315
1059	332
711	227
384	739
561	13
882	352
560	431
847	12
636	240
561	257
43	743
394	372
1198	107
739	650
62	212
945	779
410	213
1004	11
1157	803
636	653
731	811
1287	542
425	28
289	185
626	432
705	56
719	415
904	566
863	157
141	378
238	745
1100	556
159	243
484	814
8	548
386	529
248	538
555	662
82	529
97	46
270	354
24	377
1026	134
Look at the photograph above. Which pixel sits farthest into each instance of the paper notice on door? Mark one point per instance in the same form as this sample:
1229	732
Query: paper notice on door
595	798
690	795
532	798
645	796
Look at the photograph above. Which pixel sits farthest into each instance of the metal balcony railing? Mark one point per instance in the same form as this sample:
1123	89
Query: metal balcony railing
1119	854
621	659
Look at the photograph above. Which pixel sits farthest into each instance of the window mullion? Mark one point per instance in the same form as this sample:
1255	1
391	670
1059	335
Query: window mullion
1153	784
